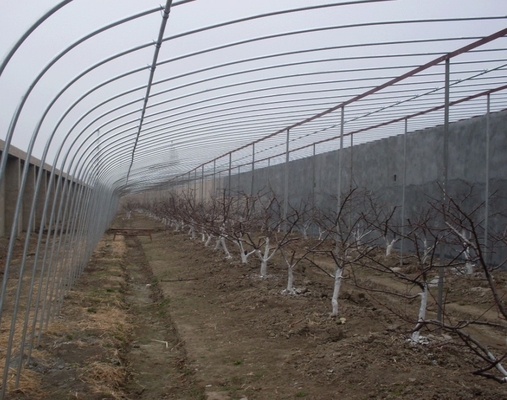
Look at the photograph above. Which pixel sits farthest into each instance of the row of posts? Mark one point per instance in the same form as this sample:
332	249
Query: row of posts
286	189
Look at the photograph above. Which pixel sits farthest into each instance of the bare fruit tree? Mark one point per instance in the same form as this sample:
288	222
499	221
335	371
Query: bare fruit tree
348	238
466	228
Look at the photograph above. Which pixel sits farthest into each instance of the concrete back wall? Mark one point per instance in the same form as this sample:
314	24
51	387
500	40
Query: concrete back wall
380	165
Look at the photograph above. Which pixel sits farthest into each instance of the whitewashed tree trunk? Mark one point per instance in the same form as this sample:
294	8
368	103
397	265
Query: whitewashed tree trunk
208	240
498	366
389	246
321	233
179	226
304	229
191	232
244	254
224	248
336	291
244	257
265	257
290	279
264	267
416	335
220	243
469	266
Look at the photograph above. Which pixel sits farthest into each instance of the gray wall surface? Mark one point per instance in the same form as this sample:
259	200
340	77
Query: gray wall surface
380	166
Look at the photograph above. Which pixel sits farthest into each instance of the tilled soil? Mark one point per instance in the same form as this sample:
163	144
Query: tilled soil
168	318
156	356
112	339
247	340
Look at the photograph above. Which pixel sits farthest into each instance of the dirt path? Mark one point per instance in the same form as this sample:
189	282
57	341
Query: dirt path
112	338
157	357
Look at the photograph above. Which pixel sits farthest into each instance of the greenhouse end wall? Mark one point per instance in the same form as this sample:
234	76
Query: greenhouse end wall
380	167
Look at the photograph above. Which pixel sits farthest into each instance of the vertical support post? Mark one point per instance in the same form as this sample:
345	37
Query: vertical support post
269	172
214	177
340	156
253	170
12	180
239	178
188	183
195	185
351	161
230	172
286	186
403	193
441	272
486	189
29	196
314	184
202	183
351	177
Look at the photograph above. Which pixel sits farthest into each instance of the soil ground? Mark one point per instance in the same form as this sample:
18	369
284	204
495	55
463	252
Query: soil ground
167	318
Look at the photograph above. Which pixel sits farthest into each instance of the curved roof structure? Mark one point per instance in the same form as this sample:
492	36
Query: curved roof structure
134	95
105	98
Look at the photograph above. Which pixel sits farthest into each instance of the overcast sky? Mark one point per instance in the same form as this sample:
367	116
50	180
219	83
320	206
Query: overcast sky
83	16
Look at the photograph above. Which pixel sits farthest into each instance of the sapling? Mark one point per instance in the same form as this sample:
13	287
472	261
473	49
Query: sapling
266	255
290	249
390	245
242	222
305	217
462	230
220	243
191	231
423	255
427	254
209	239
268	213
340	227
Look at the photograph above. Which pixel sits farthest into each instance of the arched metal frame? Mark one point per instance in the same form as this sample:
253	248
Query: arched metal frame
239	113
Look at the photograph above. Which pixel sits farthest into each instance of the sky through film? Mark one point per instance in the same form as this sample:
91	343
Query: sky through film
83	16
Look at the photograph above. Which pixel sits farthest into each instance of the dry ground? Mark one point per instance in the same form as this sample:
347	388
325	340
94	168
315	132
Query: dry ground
168	318
247	340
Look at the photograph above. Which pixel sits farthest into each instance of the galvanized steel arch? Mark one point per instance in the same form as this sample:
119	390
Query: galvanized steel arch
91	170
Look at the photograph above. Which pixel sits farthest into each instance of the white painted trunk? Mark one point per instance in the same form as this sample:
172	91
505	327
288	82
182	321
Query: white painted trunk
208	240
416	335
389	246
498	366
265	257
469	267
244	257
264	267
224	247
290	279
304	230
180	226
336	291
321	233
